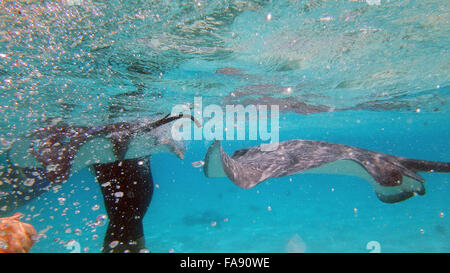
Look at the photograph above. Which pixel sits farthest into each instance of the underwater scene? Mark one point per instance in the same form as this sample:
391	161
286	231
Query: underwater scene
297	126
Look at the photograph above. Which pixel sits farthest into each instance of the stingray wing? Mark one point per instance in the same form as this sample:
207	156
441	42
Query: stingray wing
62	150
393	178
249	167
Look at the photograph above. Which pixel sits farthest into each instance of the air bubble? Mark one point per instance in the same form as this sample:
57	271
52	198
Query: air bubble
29	182
61	200
100	220
113	244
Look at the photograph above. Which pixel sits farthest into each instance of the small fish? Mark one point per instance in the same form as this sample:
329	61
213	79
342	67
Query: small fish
198	164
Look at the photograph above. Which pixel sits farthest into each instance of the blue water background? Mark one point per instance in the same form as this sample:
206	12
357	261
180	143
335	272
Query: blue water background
329	213
70	62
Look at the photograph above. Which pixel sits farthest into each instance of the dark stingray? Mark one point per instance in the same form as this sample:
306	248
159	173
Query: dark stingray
60	148
393	178
118	154
204	218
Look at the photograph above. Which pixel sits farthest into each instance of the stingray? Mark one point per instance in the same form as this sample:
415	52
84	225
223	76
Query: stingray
202	219
118	154
393	178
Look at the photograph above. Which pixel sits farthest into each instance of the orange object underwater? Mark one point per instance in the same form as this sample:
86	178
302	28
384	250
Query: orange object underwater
15	236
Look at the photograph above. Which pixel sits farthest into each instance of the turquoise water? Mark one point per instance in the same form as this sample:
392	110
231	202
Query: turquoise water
319	209
379	72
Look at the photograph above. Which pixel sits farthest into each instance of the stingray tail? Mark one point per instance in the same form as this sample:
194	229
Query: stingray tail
425	166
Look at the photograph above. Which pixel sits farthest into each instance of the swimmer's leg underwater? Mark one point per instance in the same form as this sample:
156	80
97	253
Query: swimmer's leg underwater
127	188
